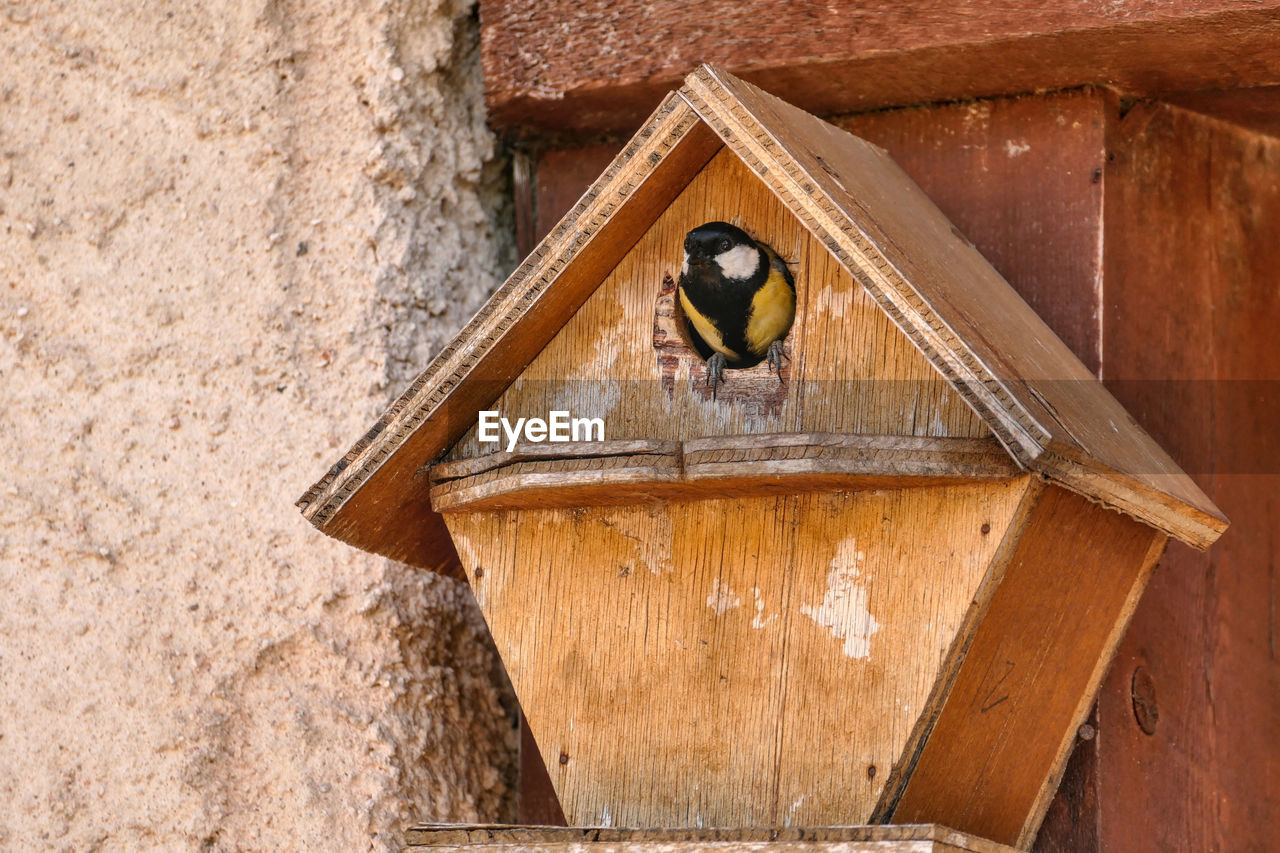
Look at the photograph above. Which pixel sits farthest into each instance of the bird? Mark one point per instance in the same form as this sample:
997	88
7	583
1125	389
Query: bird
738	298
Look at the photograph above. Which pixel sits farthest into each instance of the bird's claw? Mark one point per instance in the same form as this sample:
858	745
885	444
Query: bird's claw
775	358
715	372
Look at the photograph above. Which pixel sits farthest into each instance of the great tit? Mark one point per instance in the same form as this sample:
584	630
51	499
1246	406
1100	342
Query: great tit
738	297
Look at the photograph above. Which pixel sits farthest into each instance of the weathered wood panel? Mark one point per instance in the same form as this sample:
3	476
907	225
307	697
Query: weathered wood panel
592	65
561	176
1034	667
743	662
855	373
1256	109
1193	305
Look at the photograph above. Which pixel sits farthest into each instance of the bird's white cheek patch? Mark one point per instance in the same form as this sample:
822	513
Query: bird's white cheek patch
739	262
684	268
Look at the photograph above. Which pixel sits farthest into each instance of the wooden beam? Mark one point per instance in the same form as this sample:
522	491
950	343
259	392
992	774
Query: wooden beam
601	65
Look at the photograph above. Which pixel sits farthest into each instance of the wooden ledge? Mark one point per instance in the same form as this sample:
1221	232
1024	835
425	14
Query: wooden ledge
627	472
910	838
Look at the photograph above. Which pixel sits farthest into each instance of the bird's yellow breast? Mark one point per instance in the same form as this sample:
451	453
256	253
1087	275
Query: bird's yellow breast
773	307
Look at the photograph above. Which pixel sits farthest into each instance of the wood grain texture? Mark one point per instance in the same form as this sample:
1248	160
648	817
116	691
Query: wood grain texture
850	370
1193	205
732	662
592	66
374	497
1033	668
1037	397
928	838
586	474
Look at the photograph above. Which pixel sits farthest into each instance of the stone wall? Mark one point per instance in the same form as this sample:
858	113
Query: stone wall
229	235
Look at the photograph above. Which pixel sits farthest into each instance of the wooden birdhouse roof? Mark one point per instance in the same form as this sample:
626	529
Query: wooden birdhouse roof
1048	411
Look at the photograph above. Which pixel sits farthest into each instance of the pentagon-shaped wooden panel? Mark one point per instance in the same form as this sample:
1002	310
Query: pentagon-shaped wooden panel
739	661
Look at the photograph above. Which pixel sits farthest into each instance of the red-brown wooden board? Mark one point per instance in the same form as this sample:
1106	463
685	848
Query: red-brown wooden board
602	65
1192	309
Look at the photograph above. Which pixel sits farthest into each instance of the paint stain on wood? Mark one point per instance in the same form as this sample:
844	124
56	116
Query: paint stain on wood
843	610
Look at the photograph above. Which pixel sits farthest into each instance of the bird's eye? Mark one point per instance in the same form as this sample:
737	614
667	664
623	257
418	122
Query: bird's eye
725	245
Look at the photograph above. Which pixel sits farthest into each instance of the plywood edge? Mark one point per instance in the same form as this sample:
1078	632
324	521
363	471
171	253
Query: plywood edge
732	466
795	454
841	441
515	323
1043	800
878	838
1186	522
900	774
612	481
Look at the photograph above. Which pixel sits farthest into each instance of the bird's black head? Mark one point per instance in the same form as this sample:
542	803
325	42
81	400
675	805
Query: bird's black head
714	238
724	249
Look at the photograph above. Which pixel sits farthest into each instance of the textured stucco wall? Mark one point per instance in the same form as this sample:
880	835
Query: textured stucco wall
229	234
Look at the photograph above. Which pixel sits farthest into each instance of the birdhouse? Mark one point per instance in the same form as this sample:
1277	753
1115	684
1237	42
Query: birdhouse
877	579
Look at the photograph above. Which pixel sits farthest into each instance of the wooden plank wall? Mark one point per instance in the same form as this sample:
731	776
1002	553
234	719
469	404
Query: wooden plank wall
1147	242
1192	285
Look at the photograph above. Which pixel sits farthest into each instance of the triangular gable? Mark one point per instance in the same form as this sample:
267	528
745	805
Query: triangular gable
1052	415
849	370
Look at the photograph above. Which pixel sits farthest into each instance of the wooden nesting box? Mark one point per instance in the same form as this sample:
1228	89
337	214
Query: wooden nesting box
882	587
